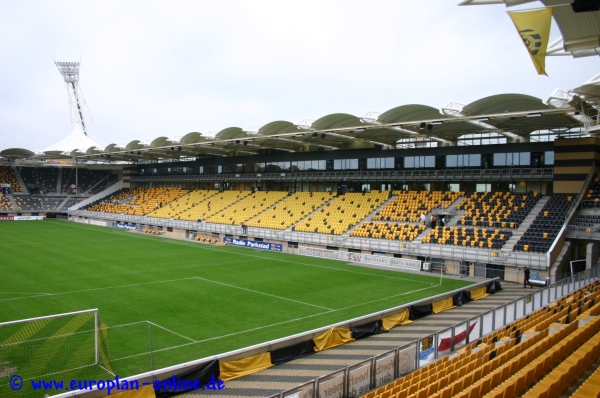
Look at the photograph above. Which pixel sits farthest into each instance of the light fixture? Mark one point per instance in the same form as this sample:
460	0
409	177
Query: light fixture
437	122
534	114
359	130
483	119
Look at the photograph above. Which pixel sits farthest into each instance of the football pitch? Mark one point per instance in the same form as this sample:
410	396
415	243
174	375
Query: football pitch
185	299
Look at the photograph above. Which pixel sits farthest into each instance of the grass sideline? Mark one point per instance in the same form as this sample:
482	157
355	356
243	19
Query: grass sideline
195	299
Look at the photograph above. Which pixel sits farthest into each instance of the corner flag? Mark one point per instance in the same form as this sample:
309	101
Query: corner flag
534	28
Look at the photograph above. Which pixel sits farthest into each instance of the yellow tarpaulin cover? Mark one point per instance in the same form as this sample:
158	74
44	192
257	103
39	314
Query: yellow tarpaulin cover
534	28
143	392
443	305
401	318
332	338
479	293
242	367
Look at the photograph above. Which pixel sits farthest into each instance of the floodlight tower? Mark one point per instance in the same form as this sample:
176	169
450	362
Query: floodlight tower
80	114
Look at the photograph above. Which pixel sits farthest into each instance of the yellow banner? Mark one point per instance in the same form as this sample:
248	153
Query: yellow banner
534	28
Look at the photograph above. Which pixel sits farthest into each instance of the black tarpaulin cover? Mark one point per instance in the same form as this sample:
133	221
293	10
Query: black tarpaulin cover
419	311
460	298
203	373
367	329
286	354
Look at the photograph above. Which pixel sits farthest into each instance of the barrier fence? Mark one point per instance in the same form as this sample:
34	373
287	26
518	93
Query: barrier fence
358	379
509	258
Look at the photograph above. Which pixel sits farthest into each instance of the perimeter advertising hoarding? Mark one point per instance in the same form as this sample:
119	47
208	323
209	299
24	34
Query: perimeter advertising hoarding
392	262
127	227
252	244
22	218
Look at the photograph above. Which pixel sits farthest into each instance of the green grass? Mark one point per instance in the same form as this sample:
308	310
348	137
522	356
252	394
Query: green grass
201	299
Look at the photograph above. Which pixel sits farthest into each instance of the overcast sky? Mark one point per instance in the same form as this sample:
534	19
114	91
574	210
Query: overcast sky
166	68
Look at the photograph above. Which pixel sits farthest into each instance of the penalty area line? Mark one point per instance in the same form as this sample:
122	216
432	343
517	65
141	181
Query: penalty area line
272	324
265	294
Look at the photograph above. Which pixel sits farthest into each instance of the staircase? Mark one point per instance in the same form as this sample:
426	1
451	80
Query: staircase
98	182
59	181
12	202
20	180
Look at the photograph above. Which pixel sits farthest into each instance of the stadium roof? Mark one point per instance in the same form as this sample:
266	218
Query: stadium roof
580	30
515	116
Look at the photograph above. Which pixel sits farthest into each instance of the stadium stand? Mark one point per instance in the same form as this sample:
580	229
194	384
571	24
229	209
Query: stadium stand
7	176
72	201
378	230
497	210
247	208
291	210
343	212
27	202
5	203
539	355
213	205
39	179
408	206
182	204
546	226
468	237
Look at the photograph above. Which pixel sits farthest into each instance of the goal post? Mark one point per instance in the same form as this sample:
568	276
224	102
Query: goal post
57	344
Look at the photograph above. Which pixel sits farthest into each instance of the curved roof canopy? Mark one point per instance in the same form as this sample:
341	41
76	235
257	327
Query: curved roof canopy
505	113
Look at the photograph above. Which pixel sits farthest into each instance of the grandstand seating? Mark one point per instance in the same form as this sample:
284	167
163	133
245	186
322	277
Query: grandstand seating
151	199
291	210
87	178
587	221
468	237
44	178
247	208
213	205
8	177
343	212
27	202
408	206
546	226
518	357
592	196
5	203
182	204
378	230
497	210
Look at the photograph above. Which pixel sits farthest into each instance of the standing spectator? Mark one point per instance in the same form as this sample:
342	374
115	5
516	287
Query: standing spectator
433	221
423	219
526	280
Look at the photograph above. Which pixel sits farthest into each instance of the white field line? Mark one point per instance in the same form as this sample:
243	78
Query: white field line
266	294
38	294
170	331
113	231
99	288
271	325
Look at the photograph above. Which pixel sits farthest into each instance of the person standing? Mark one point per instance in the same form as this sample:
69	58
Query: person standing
526	280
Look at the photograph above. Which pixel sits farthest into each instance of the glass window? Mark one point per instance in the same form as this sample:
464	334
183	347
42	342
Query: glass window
454	187
499	159
451	161
525	159
549	158
409	162
483	187
475	160
371	164
429	161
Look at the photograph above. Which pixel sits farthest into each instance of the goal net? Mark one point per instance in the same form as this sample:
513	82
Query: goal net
56	347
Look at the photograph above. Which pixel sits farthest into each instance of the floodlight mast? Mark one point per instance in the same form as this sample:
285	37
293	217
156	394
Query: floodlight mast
79	113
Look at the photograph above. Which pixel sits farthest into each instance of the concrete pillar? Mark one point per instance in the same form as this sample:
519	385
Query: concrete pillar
591	255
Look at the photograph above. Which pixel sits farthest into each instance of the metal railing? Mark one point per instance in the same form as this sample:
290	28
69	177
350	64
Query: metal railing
400	175
379	370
